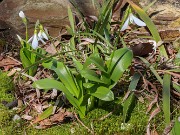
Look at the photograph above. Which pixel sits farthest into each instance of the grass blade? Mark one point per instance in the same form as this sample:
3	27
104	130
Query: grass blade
166	97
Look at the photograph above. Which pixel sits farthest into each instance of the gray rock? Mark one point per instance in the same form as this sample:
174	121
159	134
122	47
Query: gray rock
51	13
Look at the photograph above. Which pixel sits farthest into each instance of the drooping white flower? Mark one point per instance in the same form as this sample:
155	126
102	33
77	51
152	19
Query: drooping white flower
132	19
34	39
35	42
42	35
22	15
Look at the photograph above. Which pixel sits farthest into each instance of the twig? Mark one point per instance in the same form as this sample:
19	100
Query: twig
107	115
89	130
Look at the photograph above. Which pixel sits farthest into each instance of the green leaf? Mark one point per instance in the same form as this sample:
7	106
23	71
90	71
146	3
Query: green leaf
50	84
45	114
78	64
25	56
88	85
127	106
134	81
64	75
120	61
95	59
71	19
103	93
176	127
166	97
90	75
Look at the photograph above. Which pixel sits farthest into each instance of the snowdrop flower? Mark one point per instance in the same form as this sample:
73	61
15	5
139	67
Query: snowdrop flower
132	19
42	35
22	15
34	40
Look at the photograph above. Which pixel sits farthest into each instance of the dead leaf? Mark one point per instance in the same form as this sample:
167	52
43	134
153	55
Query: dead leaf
52	47
152	103
27	117
57	118
13	71
154	113
8	62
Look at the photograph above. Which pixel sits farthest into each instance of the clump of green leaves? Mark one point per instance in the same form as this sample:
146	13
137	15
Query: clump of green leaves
85	85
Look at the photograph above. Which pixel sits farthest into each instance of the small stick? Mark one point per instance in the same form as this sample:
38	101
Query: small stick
89	130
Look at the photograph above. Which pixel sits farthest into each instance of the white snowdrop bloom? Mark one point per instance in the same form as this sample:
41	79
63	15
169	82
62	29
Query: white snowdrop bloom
132	19
34	39
42	35
35	42
22	15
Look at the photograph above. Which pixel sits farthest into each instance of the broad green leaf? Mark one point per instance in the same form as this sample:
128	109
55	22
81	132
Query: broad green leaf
150	25
95	59
25	60
120	61
45	114
127	106
103	93
88	85
166	97
90	75
64	75
50	84
25	57
78	64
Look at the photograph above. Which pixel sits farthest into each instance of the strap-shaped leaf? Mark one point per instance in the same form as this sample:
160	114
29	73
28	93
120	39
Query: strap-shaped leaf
50	84
120	61
103	93
95	59
90	75
25	56
64	75
166	97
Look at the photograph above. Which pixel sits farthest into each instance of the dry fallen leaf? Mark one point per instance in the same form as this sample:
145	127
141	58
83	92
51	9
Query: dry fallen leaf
8	62
57	118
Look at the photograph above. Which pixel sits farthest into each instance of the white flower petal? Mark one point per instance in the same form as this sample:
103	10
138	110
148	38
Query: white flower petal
44	35
35	42
131	18
40	34
42	41
125	24
21	14
30	39
138	21
20	39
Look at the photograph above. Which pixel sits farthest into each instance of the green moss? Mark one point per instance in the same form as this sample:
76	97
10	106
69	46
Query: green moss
6	88
109	125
